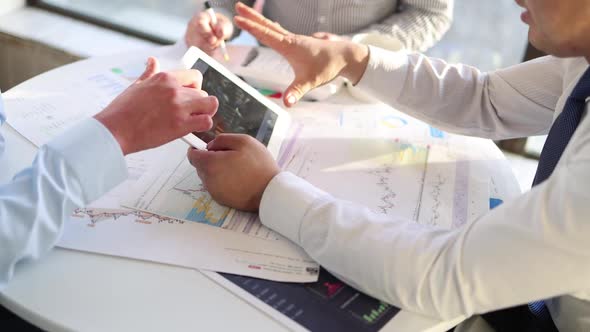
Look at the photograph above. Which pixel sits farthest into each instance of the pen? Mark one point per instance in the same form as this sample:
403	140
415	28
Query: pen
211	13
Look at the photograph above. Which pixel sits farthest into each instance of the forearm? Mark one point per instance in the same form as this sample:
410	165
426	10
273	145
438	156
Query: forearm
513	102
69	172
419	25
485	265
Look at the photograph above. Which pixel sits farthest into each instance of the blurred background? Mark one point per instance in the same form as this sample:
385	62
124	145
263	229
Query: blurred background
39	35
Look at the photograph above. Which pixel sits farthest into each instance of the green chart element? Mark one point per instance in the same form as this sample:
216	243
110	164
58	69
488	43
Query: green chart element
376	313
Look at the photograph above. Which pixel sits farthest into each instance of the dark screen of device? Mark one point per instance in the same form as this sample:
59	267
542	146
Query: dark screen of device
238	111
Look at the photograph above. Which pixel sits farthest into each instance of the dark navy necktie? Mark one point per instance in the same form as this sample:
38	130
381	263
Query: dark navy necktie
559	136
563	128
535	316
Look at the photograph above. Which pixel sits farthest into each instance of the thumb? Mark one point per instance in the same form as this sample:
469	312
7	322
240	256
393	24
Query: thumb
152	67
296	91
198	157
228	142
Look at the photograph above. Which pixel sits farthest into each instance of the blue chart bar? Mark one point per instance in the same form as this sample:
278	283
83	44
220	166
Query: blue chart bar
495	202
325	305
436	133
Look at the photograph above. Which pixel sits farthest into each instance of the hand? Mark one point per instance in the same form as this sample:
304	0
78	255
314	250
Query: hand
201	32
314	61
158	108
328	36
235	170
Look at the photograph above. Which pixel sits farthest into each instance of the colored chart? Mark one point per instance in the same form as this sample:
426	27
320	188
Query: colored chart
178	193
393	122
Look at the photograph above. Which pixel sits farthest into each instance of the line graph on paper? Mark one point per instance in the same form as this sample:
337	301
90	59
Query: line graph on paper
179	193
391	176
386	175
95	216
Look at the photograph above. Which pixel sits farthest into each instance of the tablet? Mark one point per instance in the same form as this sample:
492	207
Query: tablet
242	109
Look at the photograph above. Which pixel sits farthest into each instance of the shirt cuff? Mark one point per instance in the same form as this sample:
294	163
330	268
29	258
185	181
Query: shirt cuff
385	73
285	202
94	155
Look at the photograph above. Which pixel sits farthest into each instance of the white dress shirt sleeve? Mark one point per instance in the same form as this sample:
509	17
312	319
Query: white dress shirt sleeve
512	102
507	257
69	172
534	247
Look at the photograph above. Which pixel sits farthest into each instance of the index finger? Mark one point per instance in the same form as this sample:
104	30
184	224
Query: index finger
263	34
251	14
190	78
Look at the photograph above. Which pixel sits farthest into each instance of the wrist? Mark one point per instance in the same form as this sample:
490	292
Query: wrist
267	180
356	57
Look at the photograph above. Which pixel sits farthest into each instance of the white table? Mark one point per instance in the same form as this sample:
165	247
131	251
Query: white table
69	290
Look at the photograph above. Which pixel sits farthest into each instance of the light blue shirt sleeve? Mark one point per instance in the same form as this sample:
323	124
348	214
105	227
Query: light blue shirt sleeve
69	172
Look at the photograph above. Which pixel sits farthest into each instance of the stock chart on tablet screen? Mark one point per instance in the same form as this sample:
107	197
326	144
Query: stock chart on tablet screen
238	111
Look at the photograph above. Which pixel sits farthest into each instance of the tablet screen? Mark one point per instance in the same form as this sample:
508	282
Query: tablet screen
238	111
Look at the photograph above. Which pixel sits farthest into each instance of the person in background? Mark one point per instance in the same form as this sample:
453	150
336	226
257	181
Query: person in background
87	161
525	263
416	24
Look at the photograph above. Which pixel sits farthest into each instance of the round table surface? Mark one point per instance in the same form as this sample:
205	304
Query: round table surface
70	290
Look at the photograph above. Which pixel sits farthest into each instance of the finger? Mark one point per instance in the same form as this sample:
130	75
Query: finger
320	35
209	49
296	91
152	67
223	29
190	78
263	34
218	30
212	41
198	158
225	142
198	105
198	123
226	27
204	26
253	15
203	159
201	93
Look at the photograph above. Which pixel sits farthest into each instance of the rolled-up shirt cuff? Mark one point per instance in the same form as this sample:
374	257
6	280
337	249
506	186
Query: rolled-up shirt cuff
385	73
285	202
94	155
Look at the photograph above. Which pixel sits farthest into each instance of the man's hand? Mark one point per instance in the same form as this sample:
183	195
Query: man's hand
158	108
328	36
201	32
235	170
314	61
